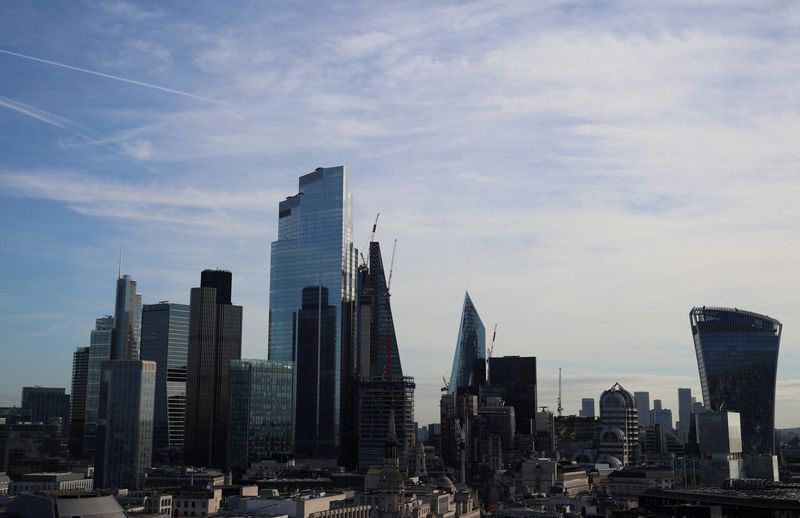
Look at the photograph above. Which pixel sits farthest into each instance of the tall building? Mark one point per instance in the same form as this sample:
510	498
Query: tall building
643	408
382	390
470	346
165	340
312	305
684	412
77	410
516	376
260	424
99	351
619	432
587	407
47	405
737	356
127	321
215	338
125	423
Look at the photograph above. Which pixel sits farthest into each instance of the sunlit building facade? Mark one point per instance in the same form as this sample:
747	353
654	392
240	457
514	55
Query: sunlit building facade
737	356
312	307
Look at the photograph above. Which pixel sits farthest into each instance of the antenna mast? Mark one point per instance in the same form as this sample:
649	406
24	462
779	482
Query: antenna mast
559	408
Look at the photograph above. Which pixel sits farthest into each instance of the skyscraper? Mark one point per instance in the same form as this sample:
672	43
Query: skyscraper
125	422
77	409
312	308
643	408
99	351
260	424
47	404
165	340
684	412
737	356
215	338
382	390
516	376
470	346
127	321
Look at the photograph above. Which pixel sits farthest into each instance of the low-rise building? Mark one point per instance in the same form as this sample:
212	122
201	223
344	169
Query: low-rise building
32	482
197	502
59	504
632	482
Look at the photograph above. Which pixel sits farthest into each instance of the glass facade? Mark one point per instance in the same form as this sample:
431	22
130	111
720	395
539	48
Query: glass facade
737	356
516	377
77	410
260	423
127	320
471	346
128	392
384	357
165	340
312	303
99	351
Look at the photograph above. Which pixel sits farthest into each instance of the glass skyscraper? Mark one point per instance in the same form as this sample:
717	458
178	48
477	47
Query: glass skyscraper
77	404
99	351
470	347
737	356
165	340
260	423
127	321
312	307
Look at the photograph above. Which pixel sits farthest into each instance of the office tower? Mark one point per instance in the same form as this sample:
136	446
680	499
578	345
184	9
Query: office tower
125	423
31	448
260	424
165	340
127	321
737	357
382	390
77	410
662	417
312	305
215	338
697	407
587	407
643	408
684	412
459	427
99	351
516	378
619	431
47	405
657	404
470	346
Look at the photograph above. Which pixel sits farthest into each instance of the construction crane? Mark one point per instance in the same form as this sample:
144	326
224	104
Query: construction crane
491	350
374	227
391	268
559	408
446	387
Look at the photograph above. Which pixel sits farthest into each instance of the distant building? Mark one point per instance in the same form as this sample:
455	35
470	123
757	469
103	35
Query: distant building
619	432
377	399
662	416
61	504
46	405
737	355
215	338
60	481
643	408
684	412
99	351
260	422
587	407
126	423
77	411
165	340
31	448
515	376
470	346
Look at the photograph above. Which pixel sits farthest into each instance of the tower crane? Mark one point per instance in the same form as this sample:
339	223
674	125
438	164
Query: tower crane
559	408
491	350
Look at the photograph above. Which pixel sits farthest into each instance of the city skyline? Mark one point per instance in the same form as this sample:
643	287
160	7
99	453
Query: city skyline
588	173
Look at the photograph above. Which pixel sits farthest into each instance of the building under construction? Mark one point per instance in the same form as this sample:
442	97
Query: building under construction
382	386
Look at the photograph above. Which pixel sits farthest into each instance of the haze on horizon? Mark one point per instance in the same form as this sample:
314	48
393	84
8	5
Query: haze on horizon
589	171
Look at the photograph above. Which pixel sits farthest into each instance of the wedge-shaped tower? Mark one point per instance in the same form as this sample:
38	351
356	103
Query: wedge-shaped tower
737	356
470	347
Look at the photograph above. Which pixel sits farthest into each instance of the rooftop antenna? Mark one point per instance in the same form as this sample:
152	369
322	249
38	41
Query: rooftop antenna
119	267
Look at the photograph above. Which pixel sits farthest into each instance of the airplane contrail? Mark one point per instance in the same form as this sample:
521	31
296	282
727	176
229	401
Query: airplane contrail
109	76
43	116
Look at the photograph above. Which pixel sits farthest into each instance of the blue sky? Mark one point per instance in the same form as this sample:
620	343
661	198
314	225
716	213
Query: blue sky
589	171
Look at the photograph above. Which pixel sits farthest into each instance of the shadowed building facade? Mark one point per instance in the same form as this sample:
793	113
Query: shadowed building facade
215	338
312	305
737	357
77	404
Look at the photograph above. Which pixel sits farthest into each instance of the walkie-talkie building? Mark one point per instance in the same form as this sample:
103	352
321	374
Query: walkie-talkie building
737	356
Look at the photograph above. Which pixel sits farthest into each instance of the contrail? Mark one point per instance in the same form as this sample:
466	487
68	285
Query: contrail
44	116
109	76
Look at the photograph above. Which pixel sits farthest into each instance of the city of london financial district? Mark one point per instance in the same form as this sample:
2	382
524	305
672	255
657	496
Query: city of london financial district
165	418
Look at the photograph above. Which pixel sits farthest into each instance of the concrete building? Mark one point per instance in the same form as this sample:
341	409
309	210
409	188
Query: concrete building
66	504
67	480
196	502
